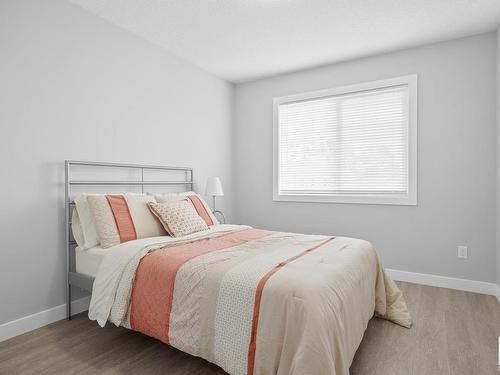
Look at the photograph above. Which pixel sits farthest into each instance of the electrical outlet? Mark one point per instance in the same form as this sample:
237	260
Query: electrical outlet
462	252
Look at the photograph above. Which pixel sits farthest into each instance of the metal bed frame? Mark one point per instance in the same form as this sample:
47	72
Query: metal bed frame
81	280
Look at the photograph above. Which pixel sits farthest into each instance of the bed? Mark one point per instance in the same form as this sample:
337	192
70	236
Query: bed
249	300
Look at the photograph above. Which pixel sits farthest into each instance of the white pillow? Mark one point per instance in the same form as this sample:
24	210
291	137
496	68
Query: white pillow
146	224
76	228
85	223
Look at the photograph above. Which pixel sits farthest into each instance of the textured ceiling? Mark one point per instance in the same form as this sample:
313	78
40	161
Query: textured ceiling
241	40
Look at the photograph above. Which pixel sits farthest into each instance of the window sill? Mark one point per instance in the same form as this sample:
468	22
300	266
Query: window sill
349	199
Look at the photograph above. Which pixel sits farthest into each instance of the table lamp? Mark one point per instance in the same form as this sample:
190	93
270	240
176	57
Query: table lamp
214	188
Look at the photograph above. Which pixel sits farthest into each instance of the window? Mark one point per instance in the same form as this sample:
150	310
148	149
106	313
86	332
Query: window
354	144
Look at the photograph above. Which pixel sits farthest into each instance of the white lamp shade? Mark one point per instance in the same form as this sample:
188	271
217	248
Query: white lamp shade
214	187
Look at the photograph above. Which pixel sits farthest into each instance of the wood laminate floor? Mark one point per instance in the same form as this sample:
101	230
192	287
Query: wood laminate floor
454	332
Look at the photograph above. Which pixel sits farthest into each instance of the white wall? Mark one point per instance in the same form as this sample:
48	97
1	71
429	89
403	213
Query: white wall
75	87
456	160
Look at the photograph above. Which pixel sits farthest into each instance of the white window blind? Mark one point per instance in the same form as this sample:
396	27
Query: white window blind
348	144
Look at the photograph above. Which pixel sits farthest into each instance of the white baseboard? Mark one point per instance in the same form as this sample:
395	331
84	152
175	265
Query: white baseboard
446	282
40	319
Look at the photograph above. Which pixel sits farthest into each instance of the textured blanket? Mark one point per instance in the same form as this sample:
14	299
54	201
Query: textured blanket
251	301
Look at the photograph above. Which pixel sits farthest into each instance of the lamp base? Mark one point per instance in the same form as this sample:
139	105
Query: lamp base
217	212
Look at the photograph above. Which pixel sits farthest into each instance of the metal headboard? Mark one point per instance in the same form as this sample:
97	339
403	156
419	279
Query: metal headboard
80	280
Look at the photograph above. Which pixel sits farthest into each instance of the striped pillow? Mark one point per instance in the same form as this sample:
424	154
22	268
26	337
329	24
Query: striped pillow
198	202
122	218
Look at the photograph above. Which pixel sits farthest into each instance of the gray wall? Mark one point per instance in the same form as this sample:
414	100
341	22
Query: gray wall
76	87
456	160
498	158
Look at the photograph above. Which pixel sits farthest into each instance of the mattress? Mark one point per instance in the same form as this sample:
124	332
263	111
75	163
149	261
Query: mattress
88	261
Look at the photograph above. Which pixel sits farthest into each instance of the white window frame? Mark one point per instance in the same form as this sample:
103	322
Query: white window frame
410	199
